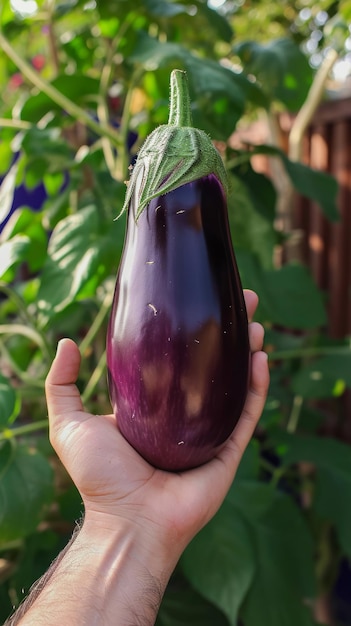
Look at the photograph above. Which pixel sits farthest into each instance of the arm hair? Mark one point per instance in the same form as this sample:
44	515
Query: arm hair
39	585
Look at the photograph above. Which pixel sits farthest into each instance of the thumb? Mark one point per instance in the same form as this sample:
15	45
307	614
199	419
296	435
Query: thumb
62	395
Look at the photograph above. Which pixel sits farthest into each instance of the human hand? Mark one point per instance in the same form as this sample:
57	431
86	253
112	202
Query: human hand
117	484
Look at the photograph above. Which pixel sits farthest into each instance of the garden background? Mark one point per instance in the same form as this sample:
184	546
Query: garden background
82	84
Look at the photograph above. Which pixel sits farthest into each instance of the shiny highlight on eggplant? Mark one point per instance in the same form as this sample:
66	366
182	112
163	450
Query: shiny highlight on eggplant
177	344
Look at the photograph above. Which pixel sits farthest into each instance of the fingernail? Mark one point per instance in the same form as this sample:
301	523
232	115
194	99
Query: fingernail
59	344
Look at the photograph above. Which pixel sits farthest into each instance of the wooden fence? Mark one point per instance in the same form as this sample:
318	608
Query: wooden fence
325	247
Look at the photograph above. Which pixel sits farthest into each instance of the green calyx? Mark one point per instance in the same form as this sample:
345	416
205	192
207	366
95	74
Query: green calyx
173	154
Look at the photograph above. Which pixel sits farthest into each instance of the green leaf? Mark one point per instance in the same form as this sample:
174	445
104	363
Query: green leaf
332	497
80	253
332	502
250	463
220	95
53	183
219	23
56	208
26	481
46	146
6	156
345	10
161	8
260	189
70	504
25	222
151	53
282	340
250	230
251	498
183	606
213	84
8	401
284	577
12	252
210	77
220	561
294	299
72	259
6	604
325	377
315	185
80	89
40	549
280	67
288	296
256	556
252	277
20	349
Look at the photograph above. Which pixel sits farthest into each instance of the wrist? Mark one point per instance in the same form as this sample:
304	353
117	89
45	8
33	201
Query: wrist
115	573
141	541
131	567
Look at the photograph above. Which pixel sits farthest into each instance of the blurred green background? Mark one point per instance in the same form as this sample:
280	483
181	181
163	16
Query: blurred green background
82	84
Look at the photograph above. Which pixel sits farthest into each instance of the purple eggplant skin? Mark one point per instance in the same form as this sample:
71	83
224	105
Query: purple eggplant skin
178	352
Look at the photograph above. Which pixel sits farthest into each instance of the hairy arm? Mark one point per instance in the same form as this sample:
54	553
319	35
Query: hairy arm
37	587
104	577
138	520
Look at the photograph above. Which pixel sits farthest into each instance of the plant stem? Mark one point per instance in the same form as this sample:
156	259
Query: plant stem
31	333
239	160
282	355
94	378
327	558
123	156
23	376
266	465
277	475
97	323
310	105
8	433
294	417
56	96
102	109
51	36
13	295
15	124
8	462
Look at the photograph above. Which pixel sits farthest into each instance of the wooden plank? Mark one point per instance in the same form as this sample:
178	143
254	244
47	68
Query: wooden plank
340	234
328	112
318	240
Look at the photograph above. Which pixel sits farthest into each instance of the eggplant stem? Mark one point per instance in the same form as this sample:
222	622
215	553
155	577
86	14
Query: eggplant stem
180	109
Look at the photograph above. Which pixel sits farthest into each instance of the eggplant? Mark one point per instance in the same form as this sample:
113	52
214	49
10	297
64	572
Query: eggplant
177	342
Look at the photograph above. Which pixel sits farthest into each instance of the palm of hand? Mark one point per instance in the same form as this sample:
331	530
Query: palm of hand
112	477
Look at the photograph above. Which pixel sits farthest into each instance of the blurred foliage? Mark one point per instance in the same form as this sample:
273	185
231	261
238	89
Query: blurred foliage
82	85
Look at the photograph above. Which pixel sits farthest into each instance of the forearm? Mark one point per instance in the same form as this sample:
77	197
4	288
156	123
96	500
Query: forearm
37	587
107	577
